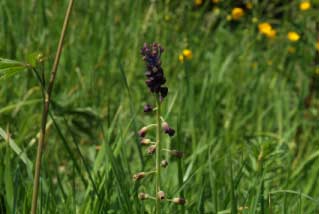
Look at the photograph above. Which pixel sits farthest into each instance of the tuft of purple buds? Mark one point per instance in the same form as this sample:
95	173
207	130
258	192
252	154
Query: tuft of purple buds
148	108
151	54
168	130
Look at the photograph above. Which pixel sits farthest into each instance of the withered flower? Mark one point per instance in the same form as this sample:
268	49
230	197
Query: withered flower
161	195
138	176
151	149
176	153
180	201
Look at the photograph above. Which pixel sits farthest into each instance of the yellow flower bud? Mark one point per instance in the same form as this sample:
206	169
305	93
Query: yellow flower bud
293	36
237	13
305	5
187	54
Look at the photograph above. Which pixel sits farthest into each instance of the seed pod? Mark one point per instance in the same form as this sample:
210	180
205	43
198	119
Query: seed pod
180	201
145	141
161	195
164	163
142	132
151	149
143	196
176	153
138	176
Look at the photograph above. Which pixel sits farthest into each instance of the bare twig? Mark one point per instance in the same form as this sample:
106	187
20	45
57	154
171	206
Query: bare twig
46	105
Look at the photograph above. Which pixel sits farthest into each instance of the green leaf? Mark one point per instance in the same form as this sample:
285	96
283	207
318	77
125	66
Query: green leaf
9	68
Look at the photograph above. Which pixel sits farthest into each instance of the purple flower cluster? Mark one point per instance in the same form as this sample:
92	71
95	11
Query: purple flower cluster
154	73
155	81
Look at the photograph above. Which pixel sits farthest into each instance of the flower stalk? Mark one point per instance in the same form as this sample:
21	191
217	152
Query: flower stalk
156	83
158	154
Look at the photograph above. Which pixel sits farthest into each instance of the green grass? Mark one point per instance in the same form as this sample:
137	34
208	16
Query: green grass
238	108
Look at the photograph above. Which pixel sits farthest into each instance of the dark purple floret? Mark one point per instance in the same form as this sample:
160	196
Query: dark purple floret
163	91
148	108
155	76
168	130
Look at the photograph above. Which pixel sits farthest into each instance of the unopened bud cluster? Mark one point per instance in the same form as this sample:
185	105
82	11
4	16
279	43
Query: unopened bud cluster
155	75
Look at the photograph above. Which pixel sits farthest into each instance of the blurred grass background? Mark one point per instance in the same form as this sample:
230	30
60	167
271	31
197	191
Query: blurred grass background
245	106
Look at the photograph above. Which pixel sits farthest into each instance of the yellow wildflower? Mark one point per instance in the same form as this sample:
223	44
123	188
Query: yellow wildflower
237	13
305	5
272	34
293	36
266	29
187	54
198	2
249	5
181	58
317	45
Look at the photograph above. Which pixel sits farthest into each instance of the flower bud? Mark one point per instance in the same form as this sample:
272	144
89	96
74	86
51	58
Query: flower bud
142	132
164	163
176	153
151	149
180	201
161	195
148	108
168	130
145	141
138	176
143	196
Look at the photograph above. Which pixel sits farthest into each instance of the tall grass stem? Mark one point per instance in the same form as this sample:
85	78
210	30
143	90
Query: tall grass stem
46	105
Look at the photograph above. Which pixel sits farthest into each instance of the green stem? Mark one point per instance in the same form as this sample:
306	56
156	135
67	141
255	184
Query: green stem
45	111
158	156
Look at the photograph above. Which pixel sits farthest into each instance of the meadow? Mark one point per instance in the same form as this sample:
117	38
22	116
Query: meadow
243	99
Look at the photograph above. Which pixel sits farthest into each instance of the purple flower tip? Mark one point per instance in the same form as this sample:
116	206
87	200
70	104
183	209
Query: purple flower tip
151	54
